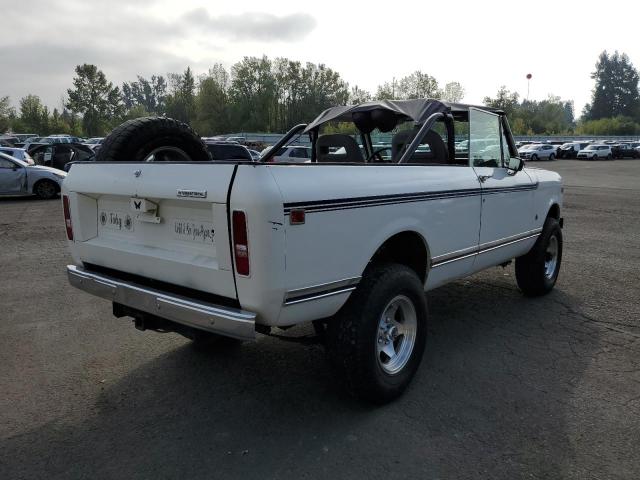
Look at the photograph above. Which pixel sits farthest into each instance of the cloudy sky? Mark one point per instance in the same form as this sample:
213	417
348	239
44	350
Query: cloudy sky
481	44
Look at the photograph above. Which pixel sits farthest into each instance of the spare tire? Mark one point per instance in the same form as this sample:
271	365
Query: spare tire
153	139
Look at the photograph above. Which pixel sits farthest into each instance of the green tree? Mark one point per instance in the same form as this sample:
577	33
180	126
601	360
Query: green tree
453	92
7	113
147	93
616	88
358	95
505	100
180	102
418	85
211	105
95	98
34	116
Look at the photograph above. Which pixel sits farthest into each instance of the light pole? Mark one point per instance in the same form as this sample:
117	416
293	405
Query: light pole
528	83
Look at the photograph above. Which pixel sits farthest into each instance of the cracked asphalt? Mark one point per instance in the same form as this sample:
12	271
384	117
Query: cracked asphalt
509	387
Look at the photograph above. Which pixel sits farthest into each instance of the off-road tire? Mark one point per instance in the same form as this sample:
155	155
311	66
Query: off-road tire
46	189
352	335
531	273
135	139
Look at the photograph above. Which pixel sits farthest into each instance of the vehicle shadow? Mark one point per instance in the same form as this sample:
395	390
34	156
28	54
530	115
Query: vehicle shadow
490	400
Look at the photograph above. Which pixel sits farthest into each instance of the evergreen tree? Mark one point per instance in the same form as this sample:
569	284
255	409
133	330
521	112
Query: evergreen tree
616	88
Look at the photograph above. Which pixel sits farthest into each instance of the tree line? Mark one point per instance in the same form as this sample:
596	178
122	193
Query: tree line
270	95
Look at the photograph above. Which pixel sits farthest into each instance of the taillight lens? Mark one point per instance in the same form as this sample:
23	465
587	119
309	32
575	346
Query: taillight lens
240	242
67	216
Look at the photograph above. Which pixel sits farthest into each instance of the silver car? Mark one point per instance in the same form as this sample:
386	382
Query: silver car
538	151
20	178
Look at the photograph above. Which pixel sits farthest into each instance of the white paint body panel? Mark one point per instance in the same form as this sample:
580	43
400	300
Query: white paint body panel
339	237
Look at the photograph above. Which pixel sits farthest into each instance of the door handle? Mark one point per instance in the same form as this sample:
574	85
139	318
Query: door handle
484	178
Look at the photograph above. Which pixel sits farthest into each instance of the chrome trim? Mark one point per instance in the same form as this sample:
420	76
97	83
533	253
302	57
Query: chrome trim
321	290
483	248
206	316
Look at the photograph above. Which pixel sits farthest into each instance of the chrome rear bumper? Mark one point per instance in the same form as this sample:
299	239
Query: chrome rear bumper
213	318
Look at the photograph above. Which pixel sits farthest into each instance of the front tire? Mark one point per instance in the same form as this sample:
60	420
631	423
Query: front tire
376	341
534	157
45	189
537	271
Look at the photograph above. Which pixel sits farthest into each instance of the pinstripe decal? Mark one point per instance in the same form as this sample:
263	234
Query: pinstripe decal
363	202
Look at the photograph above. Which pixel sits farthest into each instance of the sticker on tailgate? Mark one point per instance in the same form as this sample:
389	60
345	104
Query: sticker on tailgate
194	231
115	220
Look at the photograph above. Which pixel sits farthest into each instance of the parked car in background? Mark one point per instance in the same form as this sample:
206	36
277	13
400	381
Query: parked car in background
23	137
595	152
571	149
19	178
19	153
58	155
223	150
290	153
539	151
255	155
623	150
240	140
8	141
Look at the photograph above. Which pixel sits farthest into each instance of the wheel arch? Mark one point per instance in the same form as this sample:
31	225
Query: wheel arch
41	180
554	211
408	248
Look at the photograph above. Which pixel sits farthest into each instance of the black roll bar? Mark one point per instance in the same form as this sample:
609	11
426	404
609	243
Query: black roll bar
426	126
282	142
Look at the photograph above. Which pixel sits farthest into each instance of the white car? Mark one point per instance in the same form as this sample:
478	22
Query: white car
290	153
220	251
20	178
19	153
538	151
595	152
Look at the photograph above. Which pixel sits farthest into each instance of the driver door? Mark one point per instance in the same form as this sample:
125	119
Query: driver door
507	196
12	177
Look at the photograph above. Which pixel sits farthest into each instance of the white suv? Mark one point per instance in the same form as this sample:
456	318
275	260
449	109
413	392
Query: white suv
595	152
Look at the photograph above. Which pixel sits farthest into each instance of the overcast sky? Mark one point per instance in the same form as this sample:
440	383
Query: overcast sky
481	44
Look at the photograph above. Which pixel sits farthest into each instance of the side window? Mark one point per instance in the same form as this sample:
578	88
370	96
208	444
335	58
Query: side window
485	142
6	163
7	152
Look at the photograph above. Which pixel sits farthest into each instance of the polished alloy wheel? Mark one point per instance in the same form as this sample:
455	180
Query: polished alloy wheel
551	258
396	338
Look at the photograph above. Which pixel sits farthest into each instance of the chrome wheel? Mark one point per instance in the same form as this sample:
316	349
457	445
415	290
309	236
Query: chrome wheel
167	154
397	330
551	258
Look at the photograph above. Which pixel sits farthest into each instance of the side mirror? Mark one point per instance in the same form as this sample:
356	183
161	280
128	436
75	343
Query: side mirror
515	164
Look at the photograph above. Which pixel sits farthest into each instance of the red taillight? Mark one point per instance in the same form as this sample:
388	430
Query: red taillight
67	216
240	242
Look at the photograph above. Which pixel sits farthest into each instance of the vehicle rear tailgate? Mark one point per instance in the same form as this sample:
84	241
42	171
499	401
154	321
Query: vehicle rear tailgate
164	221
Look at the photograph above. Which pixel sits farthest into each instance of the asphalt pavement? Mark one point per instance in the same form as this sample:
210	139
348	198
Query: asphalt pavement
509	387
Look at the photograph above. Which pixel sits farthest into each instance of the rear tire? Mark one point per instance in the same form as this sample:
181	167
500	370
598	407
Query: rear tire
552	157
45	189
164	138
376	341
537	271
609	157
